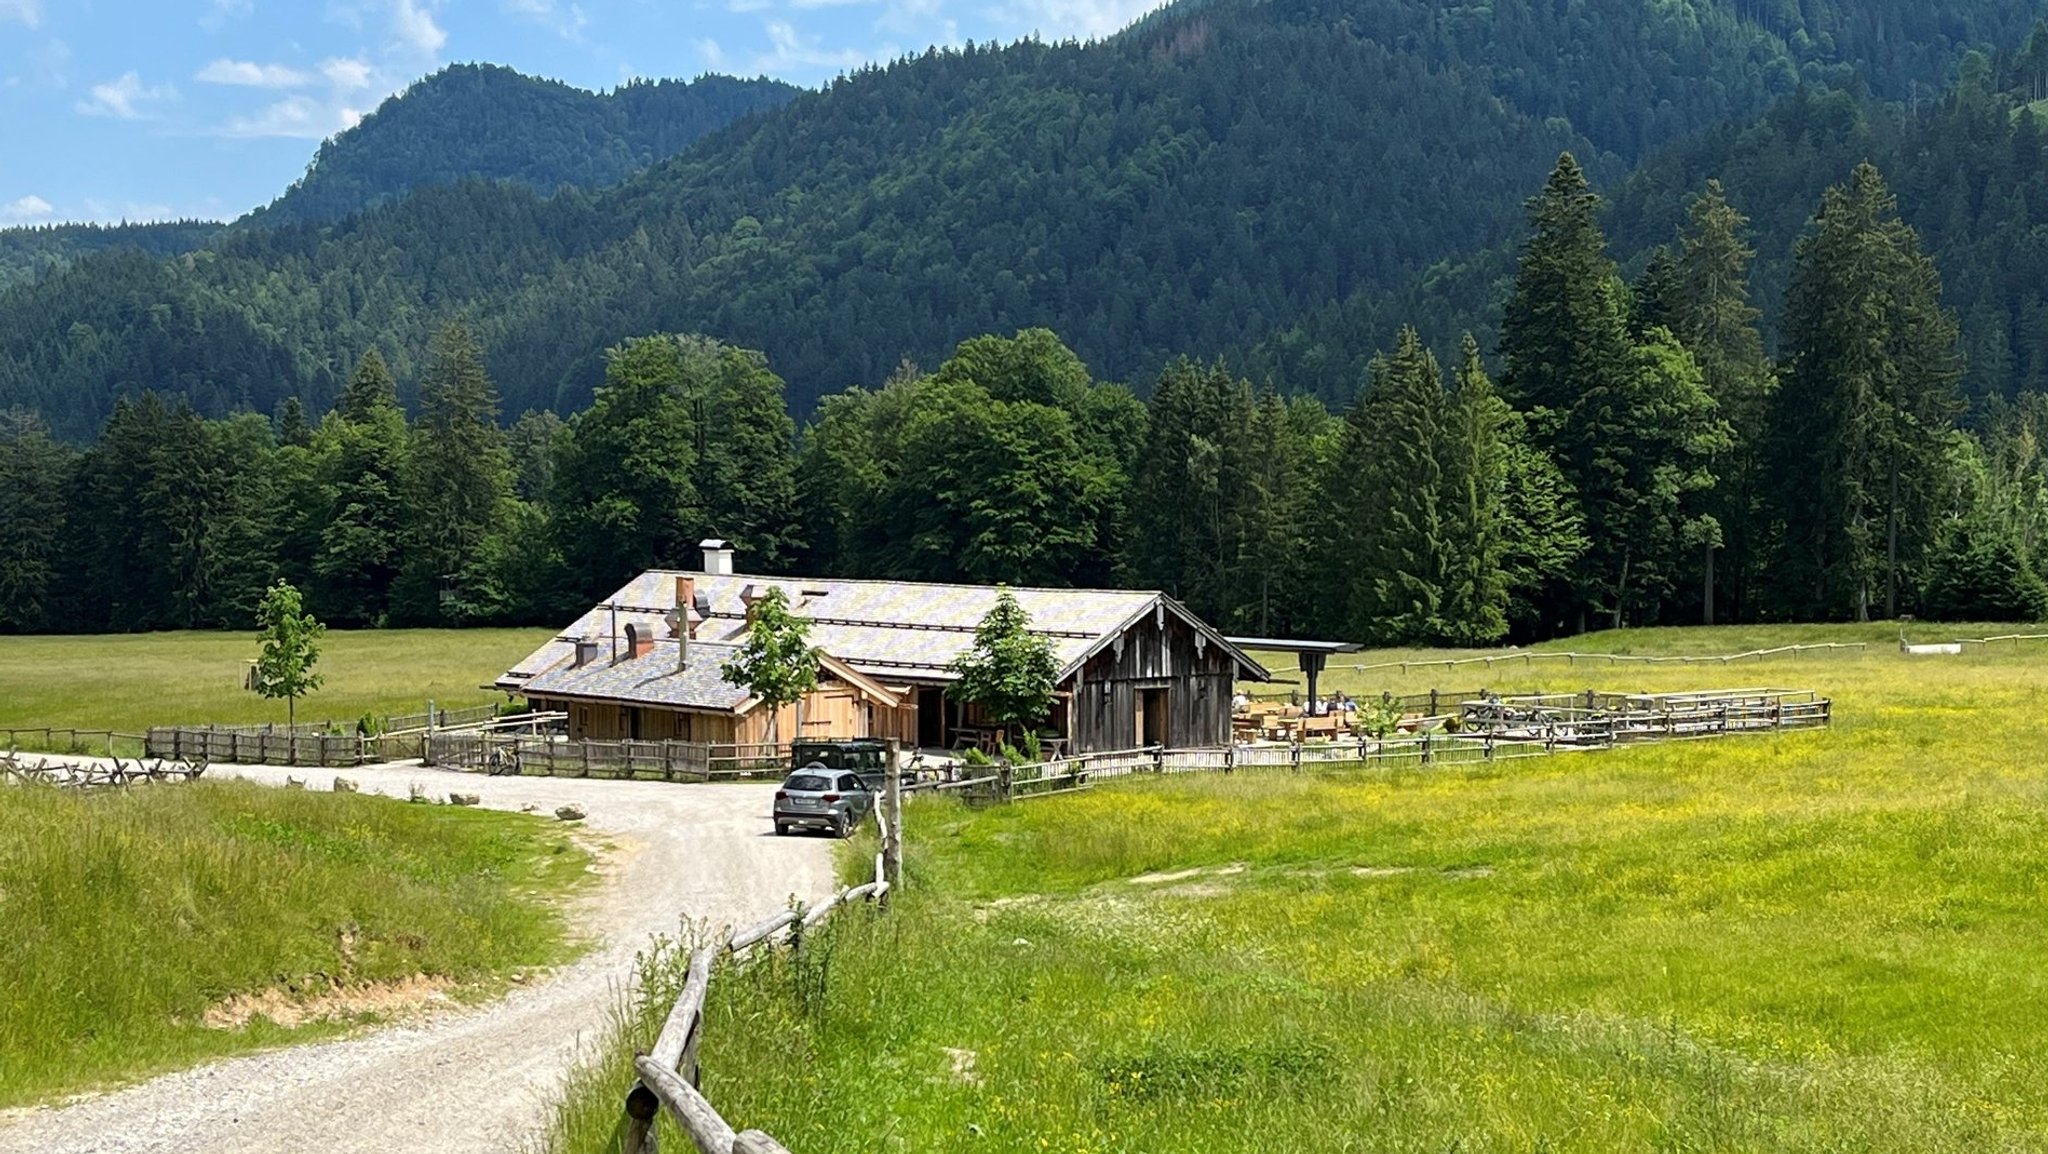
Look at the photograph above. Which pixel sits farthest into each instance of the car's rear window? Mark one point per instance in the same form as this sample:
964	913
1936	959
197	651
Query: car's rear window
808	783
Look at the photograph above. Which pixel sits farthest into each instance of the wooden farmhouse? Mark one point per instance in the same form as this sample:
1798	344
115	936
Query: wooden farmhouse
1136	668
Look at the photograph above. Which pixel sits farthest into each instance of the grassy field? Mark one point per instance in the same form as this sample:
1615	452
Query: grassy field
1825	941
134	919
128	682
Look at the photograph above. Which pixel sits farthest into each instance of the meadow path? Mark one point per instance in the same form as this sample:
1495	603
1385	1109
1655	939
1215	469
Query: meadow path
465	1078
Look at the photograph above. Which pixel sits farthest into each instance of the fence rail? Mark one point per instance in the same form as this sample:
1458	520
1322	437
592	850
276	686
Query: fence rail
669	1074
65	739
95	774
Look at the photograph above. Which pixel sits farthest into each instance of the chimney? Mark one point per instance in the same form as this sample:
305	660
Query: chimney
587	649
639	640
748	596
685	619
717	556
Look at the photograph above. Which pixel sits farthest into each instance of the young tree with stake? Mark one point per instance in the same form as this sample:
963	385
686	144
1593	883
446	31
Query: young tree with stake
290	640
777	664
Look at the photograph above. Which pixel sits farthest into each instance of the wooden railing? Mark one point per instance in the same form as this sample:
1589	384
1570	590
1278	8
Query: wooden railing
669	1073
95	774
66	739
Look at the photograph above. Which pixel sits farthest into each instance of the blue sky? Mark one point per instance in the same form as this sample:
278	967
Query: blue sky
130	110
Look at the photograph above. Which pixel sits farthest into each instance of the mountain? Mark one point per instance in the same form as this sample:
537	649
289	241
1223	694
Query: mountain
1208	182
485	122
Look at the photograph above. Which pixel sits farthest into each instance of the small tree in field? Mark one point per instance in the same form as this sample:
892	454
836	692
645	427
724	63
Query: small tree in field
777	664
1010	671
290	640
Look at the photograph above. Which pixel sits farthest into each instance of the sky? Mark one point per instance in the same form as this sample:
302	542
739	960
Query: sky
135	110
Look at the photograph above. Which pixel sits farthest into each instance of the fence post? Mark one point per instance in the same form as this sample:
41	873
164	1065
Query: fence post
1426	759
892	845
1433	700
1158	759
1230	757
1003	779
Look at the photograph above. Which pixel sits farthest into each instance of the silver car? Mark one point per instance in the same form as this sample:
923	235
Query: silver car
814	797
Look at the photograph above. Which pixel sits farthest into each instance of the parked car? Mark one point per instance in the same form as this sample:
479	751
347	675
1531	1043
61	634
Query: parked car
863	755
817	797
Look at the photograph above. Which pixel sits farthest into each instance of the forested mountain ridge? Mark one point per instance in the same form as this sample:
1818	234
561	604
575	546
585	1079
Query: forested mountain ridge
1197	184
487	122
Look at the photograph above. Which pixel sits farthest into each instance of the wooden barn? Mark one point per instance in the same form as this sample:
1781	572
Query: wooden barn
1136	668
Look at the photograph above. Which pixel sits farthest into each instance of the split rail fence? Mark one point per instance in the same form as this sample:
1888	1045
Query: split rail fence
1478	730
95	774
669	1075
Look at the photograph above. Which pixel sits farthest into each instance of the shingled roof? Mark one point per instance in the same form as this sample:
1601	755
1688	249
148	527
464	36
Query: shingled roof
893	631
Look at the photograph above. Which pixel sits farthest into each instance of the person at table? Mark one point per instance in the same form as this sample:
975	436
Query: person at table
1240	702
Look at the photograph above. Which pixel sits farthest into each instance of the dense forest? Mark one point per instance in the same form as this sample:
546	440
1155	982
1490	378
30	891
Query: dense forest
1284	183
1640	459
465	122
486	122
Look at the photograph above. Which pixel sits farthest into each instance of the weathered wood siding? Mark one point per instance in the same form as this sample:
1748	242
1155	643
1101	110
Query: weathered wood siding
1160	652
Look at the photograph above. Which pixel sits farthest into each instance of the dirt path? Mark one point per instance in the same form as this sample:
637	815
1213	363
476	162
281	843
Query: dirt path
480	1078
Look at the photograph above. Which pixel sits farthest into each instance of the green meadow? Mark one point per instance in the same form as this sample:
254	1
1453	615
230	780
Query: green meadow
154	928
1817	941
128	682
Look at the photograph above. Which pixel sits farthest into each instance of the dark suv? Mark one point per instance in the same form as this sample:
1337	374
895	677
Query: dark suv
863	755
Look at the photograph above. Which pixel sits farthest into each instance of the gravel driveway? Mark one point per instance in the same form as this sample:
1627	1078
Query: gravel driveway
478	1078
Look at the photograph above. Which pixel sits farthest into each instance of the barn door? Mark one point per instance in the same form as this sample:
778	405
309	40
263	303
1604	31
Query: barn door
1152	717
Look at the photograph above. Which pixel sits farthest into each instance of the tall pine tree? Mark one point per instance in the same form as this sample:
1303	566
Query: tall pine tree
1868	396
458	477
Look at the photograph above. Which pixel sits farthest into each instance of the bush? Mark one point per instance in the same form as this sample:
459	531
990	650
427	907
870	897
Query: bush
1980	575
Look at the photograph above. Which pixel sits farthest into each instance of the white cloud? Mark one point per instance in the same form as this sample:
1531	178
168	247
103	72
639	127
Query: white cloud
413	23
125	98
298	117
567	21
26	210
28	12
791	49
348	73
219	12
249	74
714	56
1087	19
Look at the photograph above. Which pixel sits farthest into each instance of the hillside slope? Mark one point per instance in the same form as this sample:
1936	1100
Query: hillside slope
1196	184
485	122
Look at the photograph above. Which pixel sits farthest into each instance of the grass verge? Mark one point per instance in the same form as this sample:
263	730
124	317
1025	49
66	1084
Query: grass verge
128	682
129	915
1814	941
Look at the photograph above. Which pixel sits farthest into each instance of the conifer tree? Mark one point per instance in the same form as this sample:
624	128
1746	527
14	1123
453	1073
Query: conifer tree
1185	535
362	454
1868	395
1718	325
1564	331
1475	476
458	478
1399	553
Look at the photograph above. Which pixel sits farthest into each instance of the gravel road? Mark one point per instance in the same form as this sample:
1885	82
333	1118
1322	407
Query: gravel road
475	1078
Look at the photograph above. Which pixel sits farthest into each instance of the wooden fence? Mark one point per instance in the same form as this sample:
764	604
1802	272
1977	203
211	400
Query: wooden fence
258	745
500	752
669	1074
1485	729
95	774
63	739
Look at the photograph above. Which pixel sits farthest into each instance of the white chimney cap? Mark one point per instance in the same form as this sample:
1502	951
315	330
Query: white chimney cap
717	556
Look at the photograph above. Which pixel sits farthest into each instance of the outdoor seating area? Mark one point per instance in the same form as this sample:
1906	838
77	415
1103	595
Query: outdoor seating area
1335	718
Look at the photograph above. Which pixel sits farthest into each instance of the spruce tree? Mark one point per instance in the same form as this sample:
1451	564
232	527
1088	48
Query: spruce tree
1564	331
1868	396
1475	460
1185	535
457	480
1399	553
362	466
1718	325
